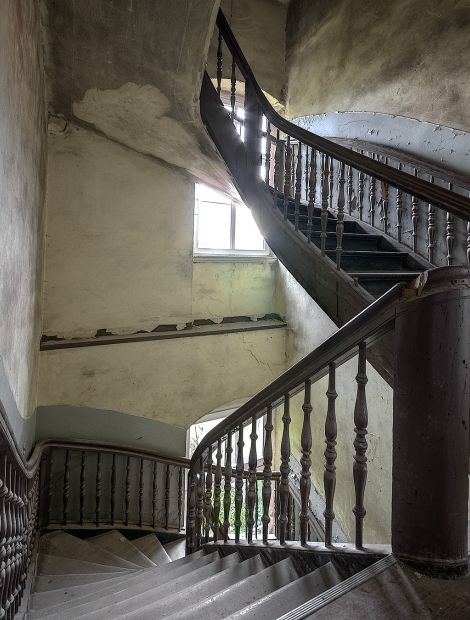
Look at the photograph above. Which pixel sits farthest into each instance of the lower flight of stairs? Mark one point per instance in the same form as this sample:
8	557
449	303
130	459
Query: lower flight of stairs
108	576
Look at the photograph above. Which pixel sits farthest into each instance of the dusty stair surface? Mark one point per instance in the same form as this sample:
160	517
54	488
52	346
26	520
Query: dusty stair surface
109	576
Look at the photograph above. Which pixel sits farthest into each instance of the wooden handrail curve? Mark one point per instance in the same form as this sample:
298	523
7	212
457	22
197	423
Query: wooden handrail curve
452	202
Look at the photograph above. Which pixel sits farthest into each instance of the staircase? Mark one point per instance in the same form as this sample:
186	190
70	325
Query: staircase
108	576
369	257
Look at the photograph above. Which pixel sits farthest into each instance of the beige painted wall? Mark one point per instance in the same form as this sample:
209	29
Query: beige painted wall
119	256
309	326
173	381
259	27
22	181
402	57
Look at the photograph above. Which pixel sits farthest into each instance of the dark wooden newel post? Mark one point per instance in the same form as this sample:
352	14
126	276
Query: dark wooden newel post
431	424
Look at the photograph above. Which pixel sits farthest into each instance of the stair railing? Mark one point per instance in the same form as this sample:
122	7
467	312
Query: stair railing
430	215
421	469
74	485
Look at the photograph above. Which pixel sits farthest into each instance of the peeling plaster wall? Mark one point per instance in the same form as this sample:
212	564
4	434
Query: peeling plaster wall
22	182
403	57
119	256
172	381
133	71
309	326
259	27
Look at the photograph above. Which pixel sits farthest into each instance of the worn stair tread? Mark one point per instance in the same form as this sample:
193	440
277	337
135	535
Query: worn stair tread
65	545
193	595
395	253
145	594
59	565
239	595
371	275
292	595
176	549
117	544
151	547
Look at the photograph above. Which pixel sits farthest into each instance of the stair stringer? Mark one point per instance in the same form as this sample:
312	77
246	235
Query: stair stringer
334	290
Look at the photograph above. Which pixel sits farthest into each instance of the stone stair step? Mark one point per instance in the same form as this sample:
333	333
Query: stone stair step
192	595
176	549
49	583
236	597
292	595
58	565
149	581
151	547
145	593
119	545
65	545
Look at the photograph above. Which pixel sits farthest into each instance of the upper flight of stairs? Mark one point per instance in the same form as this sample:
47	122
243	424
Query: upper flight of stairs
368	257
108	576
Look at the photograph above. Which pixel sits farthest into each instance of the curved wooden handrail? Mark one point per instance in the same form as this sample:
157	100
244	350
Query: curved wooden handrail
369	325
454	203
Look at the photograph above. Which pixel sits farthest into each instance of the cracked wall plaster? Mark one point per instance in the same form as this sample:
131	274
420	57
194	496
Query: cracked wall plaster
403	57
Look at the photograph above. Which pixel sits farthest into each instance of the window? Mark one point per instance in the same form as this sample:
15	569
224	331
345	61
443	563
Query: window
224	228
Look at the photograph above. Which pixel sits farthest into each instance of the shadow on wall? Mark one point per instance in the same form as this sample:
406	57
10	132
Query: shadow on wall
112	427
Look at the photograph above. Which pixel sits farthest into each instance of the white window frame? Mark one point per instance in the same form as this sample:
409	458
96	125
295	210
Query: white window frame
232	253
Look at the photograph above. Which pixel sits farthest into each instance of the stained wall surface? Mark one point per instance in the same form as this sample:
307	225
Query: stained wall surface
22	182
402	57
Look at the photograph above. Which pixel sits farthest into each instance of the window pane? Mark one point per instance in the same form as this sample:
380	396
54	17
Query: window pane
247	234
214	226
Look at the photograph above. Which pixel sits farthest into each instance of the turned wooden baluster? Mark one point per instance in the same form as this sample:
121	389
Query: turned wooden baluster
298	186
340	216
360	444
360	191
217	489
414	217
350	190
251	497
284	468
331	180
219	64
305	461
227	485
141	492
312	189
278	158
180	499
208	496
200	502
12	564
154	494
450	238
66	490
468	243
82	487
267	471
267	160
306	171
277	510
98	489
256	510
372	198
293	171
167	496
431	228
239	484
191	544
287	177
127	495
9	539
399	207
233	89
113	490
384	196
4	535
329	477
325	200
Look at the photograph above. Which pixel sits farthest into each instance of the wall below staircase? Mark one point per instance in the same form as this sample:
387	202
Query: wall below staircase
309	326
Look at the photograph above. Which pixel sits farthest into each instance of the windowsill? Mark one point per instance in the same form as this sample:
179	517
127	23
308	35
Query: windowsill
233	258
